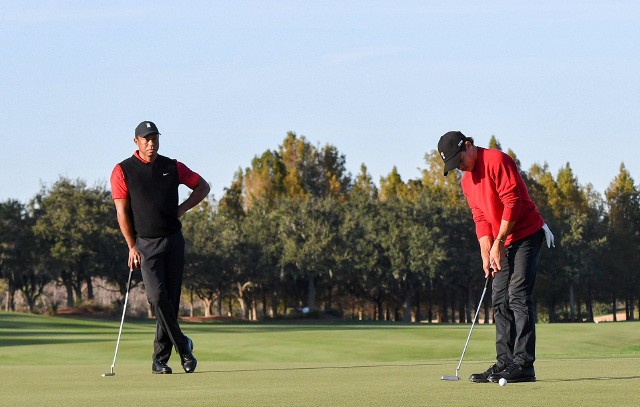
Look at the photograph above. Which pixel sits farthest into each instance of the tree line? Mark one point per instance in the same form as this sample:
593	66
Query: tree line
294	230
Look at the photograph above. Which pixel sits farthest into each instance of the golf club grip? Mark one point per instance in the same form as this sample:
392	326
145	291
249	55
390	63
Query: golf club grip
129	281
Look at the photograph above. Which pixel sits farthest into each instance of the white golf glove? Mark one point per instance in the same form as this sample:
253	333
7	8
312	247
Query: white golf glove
549	236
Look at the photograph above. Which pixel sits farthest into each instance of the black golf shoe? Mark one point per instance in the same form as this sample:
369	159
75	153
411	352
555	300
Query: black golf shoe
189	362
515	373
159	367
484	376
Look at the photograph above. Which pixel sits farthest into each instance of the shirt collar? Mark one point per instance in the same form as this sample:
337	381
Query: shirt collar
137	155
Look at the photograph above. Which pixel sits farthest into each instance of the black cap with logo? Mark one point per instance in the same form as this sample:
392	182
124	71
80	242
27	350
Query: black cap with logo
450	146
145	128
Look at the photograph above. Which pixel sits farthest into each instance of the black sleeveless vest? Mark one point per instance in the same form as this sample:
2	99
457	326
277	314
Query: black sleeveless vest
153	192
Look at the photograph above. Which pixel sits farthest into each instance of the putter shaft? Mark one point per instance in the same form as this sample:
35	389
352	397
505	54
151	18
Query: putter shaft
124	310
457	376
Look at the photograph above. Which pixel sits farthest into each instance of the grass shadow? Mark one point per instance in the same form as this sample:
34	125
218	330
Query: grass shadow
47	341
291	369
585	379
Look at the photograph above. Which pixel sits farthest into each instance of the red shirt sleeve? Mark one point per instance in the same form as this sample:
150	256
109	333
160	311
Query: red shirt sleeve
506	177
483	227
186	176
119	188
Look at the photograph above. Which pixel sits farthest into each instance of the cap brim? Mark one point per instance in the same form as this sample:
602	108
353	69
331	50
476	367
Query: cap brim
147	133
452	164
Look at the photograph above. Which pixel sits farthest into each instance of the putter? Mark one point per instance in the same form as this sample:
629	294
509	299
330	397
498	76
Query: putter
124	310
457	376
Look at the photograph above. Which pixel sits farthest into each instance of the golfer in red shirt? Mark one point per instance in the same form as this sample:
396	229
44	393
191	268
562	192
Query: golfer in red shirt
510	231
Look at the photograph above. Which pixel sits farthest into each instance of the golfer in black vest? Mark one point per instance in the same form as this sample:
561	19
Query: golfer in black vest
144	188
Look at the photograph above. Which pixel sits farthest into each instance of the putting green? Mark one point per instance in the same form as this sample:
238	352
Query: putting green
59	361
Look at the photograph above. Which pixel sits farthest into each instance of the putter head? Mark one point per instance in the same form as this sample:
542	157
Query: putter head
450	378
108	374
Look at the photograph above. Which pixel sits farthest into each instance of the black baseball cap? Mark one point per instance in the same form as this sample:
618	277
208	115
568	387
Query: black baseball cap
145	128
450	147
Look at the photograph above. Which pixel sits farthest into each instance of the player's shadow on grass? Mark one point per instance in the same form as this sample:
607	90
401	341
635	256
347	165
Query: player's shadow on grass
284	369
584	379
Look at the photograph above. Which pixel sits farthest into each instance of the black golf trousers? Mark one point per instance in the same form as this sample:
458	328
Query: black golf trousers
512	296
162	271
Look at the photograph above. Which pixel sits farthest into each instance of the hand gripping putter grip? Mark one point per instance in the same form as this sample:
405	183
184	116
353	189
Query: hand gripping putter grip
124	310
457	376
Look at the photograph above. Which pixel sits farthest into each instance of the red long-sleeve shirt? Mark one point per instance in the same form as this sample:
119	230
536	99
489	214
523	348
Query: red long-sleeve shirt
495	191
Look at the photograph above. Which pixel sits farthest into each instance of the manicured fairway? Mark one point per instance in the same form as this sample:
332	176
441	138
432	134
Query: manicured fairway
48	361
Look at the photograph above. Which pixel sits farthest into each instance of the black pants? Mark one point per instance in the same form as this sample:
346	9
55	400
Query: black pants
162	270
513	308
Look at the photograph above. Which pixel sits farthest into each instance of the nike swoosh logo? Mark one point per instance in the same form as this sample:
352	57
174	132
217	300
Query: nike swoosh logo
164	174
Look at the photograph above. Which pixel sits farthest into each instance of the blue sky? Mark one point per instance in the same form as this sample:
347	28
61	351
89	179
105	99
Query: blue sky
224	81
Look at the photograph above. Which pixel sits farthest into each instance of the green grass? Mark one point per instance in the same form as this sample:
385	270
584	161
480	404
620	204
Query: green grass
55	361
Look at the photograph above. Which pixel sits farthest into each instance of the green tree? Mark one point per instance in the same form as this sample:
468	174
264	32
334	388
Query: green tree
35	275
364	185
546	194
392	186
68	219
290	181
494	143
394	214
623	200
460	268
260	226
263	181
593	258
106	245
12	224
412	239
426	247
14	247
572	230
309	232
205	268
363	262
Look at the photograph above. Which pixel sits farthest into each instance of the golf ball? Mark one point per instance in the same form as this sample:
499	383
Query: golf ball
503	382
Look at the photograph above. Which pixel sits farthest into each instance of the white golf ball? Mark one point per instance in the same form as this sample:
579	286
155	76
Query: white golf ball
503	382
